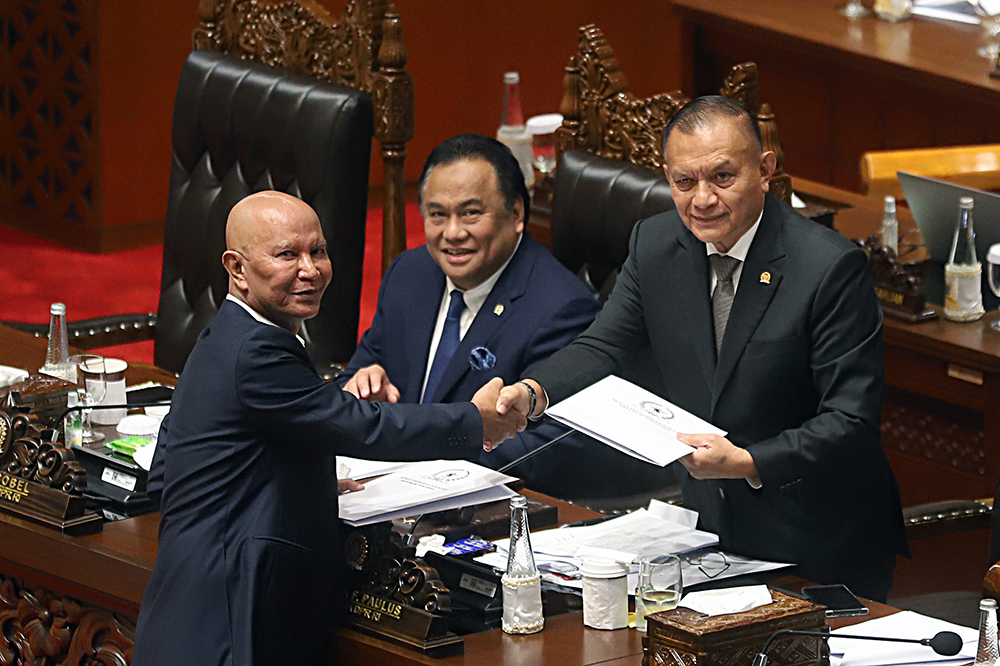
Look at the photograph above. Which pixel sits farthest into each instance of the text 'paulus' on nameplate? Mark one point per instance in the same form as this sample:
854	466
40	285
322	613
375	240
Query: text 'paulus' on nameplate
631	419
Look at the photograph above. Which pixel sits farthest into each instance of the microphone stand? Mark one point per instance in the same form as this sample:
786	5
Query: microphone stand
946	643
408	537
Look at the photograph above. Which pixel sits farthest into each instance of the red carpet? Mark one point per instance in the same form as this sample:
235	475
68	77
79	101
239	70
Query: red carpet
35	273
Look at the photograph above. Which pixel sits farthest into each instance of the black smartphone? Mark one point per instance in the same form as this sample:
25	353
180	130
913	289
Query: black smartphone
839	601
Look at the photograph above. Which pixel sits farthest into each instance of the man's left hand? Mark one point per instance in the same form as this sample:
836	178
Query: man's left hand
716	457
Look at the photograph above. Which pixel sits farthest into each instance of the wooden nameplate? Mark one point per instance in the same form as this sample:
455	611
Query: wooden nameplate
683	637
41	481
898	285
410	627
395	595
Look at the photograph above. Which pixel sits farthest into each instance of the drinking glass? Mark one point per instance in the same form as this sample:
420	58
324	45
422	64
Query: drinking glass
989	18
660	583
89	374
993	274
543	141
854	9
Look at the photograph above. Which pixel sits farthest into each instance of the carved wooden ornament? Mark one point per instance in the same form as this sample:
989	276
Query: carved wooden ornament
602	116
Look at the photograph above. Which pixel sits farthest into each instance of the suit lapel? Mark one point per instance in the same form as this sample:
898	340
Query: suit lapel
511	285
690	280
753	295
424	306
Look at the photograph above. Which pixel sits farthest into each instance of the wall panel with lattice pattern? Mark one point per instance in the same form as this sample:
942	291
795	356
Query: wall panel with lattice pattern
48	95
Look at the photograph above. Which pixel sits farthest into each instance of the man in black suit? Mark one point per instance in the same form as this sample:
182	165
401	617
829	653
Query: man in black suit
248	550
766	325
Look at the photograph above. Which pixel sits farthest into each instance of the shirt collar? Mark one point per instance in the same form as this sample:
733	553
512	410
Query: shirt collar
741	247
258	316
475	297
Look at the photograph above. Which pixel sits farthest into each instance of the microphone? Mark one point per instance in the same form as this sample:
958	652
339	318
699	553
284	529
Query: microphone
946	643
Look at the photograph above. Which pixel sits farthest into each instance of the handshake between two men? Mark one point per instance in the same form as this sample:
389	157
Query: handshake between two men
372	383
505	411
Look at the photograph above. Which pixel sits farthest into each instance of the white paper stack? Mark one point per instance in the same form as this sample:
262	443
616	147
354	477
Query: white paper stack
659	530
632	420
905	624
424	487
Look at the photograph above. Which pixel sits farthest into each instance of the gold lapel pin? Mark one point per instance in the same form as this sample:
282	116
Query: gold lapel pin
765	278
498	310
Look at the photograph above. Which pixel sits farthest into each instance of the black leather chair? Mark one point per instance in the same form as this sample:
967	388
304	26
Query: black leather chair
241	127
595	204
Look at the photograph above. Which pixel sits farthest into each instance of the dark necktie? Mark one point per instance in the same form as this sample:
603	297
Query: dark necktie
722	297
450	337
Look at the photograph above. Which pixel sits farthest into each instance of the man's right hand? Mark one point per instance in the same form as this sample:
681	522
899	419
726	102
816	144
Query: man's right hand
516	397
496	427
371	383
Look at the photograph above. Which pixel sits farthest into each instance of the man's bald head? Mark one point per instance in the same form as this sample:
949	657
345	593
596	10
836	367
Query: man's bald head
276	257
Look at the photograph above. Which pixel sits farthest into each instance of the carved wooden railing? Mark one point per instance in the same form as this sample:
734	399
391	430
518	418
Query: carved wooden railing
364	50
602	116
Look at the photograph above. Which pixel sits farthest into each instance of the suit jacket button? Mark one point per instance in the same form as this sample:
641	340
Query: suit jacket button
722	493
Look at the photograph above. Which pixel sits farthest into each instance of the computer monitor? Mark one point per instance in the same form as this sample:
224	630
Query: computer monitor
934	204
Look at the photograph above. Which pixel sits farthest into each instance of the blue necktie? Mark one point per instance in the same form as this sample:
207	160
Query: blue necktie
450	337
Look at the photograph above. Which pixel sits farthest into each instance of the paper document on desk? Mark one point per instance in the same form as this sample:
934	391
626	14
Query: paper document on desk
905	624
960	11
362	468
422	488
631	419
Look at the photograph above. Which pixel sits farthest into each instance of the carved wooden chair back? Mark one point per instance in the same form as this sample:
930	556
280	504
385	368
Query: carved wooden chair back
602	116
364	49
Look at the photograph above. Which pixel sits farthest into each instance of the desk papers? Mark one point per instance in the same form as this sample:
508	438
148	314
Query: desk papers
424	487
905	624
632	420
361	468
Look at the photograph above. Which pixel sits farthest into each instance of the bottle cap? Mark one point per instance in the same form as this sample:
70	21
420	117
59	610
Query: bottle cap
511	77
966	203
890	204
57	309
518	501
987	604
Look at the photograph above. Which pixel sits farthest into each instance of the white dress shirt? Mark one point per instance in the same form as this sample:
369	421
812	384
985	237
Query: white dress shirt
739	251
474	300
258	316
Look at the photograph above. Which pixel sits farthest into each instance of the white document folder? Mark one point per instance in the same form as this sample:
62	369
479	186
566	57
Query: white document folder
631	419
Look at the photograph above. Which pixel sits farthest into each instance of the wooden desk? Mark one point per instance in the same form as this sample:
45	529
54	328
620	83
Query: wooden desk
840	87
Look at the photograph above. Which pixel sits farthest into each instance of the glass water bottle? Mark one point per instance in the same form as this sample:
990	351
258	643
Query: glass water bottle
987	654
890	226
512	131
522	585
963	274
57	354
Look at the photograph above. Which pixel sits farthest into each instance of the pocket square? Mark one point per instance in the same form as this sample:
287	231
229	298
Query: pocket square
482	358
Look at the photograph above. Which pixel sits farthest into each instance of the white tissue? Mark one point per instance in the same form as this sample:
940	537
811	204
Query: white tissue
605	602
729	600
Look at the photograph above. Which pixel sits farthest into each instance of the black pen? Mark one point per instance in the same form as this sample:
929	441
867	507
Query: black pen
590	521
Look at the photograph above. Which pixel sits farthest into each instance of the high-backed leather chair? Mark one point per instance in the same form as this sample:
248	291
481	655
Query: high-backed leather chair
610	172
241	127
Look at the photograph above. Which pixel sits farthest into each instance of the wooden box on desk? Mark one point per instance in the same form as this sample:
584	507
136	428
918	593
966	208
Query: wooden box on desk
683	637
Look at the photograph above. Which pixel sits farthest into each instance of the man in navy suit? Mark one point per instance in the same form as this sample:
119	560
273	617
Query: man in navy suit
766	325
479	300
248	557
